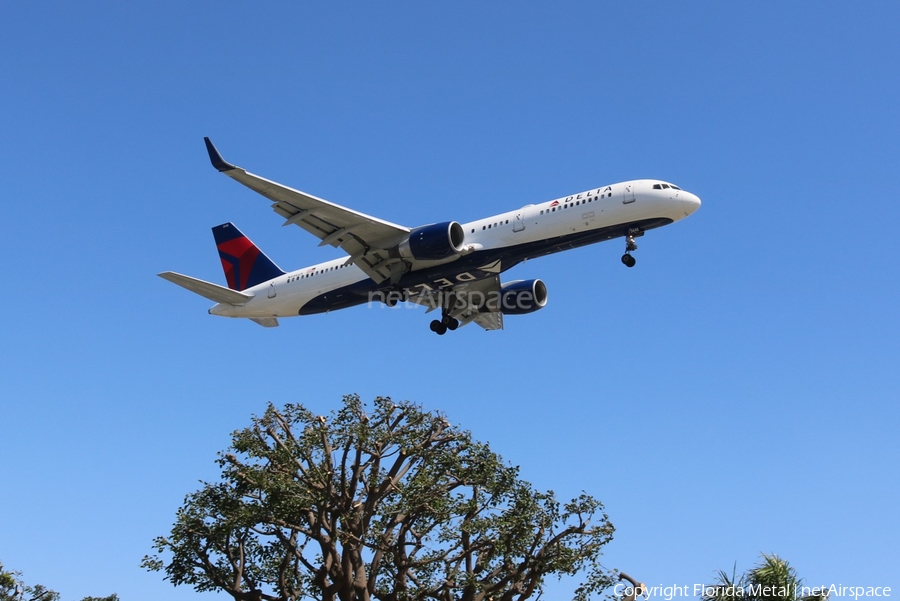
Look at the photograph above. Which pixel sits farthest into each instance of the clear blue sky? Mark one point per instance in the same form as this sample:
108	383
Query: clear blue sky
735	393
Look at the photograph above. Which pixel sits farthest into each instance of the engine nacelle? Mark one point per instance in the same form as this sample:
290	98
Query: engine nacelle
518	298
433	242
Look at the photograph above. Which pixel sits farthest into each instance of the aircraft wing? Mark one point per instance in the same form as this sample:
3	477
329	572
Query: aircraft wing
466	300
266	322
365	238
490	321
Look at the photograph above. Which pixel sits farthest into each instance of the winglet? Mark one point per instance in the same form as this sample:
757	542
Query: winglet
215	158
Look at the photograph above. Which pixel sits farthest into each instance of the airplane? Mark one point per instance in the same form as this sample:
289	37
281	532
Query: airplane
451	266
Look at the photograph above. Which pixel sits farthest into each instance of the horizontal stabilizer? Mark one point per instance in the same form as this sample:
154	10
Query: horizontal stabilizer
266	322
213	292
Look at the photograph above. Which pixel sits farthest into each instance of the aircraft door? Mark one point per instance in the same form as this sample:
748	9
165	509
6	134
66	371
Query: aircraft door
519	223
628	194
272	290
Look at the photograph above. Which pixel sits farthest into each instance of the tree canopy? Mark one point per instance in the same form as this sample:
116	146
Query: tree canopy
773	579
395	505
12	588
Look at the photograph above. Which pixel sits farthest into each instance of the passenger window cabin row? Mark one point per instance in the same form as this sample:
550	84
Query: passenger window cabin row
569	205
309	275
566	205
491	225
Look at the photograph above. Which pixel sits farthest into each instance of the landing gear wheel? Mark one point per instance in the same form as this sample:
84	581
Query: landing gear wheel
449	323
438	328
628	260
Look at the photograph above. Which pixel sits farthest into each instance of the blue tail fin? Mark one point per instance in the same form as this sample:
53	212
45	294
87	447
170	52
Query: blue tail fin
244	264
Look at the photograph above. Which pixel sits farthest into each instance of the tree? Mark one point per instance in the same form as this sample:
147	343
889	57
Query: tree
8	584
774	579
398	505
13	589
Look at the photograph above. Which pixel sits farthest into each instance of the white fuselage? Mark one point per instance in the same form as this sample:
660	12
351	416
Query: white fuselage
572	216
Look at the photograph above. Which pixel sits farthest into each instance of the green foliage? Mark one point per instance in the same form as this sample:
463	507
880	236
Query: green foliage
397	505
773	579
8	582
13	589
726	588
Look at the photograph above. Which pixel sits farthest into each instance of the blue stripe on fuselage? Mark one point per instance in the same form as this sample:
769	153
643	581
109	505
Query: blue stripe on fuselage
509	256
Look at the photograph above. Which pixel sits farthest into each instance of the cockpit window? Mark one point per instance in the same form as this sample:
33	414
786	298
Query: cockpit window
665	187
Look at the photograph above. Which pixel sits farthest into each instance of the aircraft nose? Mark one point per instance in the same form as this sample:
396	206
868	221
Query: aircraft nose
691	202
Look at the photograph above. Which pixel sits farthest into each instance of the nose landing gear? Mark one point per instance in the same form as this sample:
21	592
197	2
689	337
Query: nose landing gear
631	245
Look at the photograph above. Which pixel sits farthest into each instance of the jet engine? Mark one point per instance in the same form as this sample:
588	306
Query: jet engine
433	242
519	297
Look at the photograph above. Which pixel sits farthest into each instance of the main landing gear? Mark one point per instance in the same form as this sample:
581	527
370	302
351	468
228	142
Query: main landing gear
441	326
447	321
630	246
